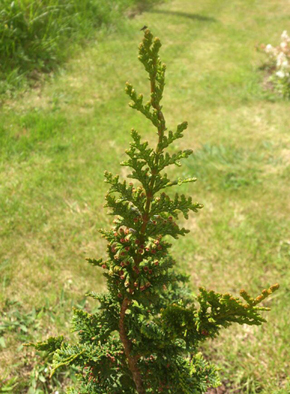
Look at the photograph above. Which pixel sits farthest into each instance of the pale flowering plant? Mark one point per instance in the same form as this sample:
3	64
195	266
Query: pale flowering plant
279	58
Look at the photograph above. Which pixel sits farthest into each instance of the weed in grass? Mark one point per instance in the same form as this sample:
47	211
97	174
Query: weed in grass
17	328
8	385
14	320
279	65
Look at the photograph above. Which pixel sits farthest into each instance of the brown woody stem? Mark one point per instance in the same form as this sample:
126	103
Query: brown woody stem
132	361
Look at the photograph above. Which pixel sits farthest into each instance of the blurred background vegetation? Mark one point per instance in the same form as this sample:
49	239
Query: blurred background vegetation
38	35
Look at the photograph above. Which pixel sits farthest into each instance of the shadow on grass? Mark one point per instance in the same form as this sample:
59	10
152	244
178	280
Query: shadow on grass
196	17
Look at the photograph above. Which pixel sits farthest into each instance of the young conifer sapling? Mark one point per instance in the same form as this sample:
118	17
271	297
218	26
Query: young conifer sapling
145	336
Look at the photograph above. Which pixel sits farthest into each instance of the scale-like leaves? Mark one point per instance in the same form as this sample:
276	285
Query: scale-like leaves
180	204
48	346
223	309
172	136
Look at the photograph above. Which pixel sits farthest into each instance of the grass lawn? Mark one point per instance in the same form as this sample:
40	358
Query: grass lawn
56	141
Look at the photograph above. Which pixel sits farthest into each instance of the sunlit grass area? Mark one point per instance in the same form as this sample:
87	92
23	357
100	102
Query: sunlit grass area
58	139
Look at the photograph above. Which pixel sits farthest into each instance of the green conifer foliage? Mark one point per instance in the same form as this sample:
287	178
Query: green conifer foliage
145	335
